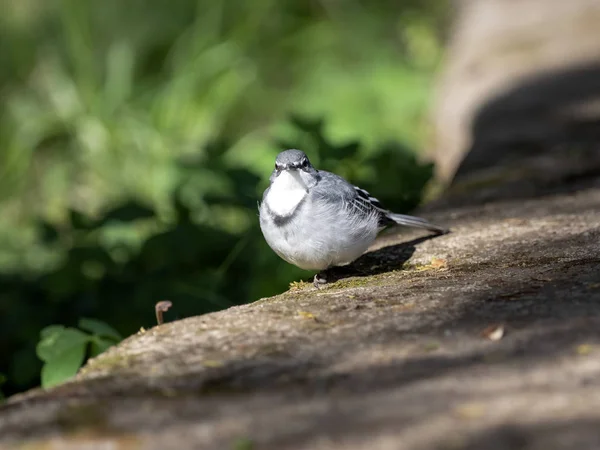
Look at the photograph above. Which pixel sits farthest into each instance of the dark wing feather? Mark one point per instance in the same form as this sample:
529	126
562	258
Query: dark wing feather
372	203
364	195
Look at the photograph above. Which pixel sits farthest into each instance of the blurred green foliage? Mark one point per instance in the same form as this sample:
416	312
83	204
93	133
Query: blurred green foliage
136	138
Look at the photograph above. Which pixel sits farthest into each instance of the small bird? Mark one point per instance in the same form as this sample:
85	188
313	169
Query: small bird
317	220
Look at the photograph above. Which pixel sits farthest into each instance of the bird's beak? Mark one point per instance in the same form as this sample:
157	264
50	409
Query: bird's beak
285	167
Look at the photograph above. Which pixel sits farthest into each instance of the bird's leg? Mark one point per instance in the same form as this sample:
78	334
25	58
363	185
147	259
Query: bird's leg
319	279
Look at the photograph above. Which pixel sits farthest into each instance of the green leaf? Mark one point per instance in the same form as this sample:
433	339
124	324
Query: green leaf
100	345
51	330
54	345
99	328
62	366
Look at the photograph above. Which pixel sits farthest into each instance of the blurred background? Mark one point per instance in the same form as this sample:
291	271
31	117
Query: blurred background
136	138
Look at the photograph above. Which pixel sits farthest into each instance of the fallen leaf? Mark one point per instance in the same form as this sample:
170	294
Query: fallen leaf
435	264
493	332
212	363
432	346
470	410
584	349
438	263
307	315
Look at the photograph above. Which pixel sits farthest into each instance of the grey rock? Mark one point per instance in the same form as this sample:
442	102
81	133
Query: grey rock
521	77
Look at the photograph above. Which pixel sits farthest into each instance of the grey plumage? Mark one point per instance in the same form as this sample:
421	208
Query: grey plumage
316	220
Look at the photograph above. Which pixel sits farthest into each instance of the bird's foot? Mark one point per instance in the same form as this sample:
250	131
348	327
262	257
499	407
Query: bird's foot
319	280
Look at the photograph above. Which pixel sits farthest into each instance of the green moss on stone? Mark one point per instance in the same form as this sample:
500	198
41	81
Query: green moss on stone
109	362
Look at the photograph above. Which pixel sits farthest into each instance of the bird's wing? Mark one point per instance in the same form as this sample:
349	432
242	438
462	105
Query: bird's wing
364	203
389	218
361	201
371	203
364	196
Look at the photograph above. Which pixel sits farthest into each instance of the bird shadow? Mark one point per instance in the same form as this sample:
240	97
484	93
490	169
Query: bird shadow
385	259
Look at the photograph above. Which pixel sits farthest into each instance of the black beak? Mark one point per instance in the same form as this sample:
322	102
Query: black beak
288	167
291	166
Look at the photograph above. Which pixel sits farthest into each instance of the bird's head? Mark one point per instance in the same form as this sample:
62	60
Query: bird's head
296	163
292	160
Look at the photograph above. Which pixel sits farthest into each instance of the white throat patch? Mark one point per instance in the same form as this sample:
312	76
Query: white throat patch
286	193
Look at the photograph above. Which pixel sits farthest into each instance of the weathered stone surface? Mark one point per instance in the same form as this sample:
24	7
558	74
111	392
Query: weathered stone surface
390	357
520	77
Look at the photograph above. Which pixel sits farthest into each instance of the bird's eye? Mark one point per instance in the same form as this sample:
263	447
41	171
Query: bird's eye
304	162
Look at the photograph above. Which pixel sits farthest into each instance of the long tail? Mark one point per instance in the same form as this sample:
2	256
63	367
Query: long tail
417	222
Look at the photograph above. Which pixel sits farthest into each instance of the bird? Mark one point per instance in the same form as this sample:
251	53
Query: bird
317	220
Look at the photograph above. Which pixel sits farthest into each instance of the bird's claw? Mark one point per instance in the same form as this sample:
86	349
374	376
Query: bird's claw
319	280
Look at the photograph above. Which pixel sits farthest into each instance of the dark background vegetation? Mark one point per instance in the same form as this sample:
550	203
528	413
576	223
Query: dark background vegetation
136	138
